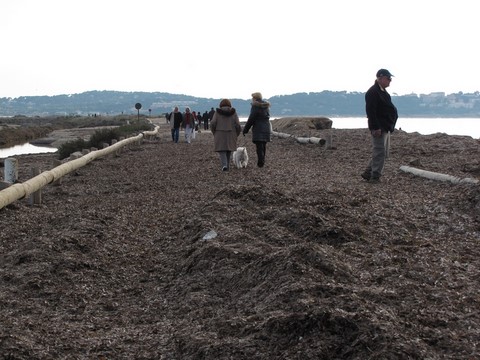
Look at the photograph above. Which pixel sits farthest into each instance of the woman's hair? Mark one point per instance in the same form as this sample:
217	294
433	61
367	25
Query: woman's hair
257	96
225	102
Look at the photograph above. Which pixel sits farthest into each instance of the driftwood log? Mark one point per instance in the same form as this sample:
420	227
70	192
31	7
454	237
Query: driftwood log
299	139
437	176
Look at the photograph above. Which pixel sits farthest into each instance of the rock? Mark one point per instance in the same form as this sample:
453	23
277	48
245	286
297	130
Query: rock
209	235
302	122
415	162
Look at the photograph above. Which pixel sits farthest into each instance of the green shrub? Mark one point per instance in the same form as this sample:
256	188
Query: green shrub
102	136
127	130
70	147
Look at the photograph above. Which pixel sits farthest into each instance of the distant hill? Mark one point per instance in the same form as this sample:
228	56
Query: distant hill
326	103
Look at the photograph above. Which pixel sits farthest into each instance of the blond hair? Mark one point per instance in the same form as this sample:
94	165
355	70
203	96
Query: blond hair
257	96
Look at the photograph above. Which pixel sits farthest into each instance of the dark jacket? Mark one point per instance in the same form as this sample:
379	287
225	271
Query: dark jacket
259	119
381	112
175	119
210	114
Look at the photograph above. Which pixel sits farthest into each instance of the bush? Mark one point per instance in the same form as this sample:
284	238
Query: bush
70	147
102	136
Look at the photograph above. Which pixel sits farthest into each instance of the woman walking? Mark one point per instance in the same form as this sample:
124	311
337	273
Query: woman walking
259	119
225	126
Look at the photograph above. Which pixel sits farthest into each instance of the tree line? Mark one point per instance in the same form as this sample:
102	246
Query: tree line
324	103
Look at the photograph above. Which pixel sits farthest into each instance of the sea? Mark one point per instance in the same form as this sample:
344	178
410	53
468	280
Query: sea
424	126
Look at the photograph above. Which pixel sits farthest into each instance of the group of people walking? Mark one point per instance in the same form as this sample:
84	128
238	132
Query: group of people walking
225	125
188	120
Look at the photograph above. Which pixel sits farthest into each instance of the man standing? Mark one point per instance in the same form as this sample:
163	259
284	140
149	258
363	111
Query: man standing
382	116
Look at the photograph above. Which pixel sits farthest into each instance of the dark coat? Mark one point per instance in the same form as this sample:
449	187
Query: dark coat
381	112
259	121
175	119
210	114
225	127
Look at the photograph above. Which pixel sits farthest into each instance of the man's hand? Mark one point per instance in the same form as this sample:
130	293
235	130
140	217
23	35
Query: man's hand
376	133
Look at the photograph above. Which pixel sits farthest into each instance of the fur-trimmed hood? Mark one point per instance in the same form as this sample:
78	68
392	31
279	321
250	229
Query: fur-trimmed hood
226	111
260	103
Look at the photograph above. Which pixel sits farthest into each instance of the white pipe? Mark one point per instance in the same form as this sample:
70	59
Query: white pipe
21	190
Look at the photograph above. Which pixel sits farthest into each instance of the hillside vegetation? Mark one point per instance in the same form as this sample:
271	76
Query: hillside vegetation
323	103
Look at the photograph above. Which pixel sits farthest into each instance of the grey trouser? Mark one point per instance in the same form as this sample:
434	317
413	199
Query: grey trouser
225	158
380	152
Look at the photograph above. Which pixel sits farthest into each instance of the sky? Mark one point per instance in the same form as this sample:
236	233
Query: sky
231	48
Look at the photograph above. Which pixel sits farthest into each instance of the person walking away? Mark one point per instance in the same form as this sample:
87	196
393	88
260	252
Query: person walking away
200	122
195	124
382	116
188	125
259	121
225	127
175	119
205	120
210	114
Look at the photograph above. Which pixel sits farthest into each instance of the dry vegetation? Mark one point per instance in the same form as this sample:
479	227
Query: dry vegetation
21	129
309	261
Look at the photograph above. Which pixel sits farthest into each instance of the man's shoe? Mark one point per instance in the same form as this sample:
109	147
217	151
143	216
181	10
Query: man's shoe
374	180
225	168
366	175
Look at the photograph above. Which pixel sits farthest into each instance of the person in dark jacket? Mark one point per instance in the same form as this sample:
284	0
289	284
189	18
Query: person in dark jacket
382	116
206	117
210	114
175	118
259	121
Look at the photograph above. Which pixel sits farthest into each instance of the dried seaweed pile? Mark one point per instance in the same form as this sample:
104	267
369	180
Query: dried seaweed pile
159	254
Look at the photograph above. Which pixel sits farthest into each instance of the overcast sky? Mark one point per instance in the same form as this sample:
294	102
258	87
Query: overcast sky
231	48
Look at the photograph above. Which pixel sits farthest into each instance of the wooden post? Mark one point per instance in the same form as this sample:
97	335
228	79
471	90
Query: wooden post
11	170
115	153
56	163
35	197
329	142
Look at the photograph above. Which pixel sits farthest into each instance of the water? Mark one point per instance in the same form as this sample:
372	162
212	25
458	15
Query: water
424	126
25	149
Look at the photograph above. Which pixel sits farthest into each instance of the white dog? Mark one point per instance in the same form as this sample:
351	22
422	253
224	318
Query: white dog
240	157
